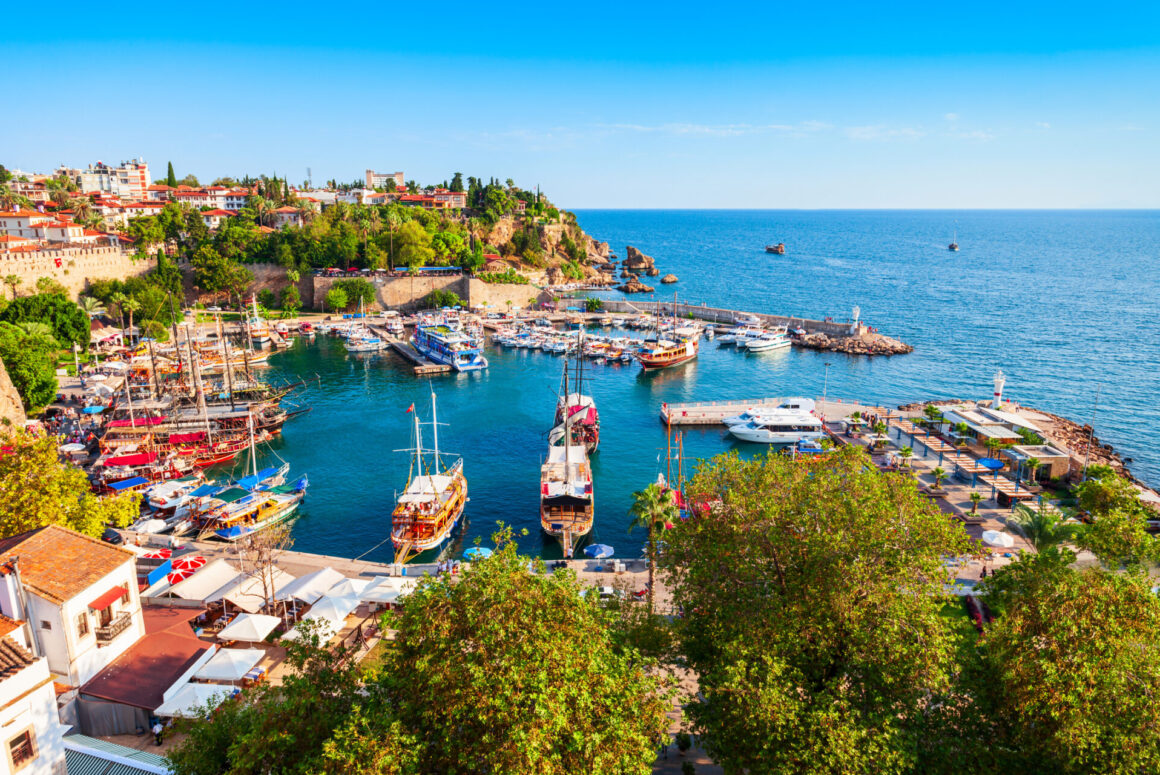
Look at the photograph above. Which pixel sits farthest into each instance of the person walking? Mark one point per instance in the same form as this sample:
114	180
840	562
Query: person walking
158	730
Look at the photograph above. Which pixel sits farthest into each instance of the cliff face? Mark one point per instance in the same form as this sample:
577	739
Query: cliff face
551	237
11	407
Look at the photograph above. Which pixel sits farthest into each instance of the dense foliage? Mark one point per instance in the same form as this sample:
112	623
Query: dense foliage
29	356
497	670
68	323
439	298
37	489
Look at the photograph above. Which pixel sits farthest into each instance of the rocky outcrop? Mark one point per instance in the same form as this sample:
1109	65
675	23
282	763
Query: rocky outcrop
11	407
637	261
634	285
597	251
669	279
865	344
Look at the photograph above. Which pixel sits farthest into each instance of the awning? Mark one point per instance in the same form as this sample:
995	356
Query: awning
139	459
187	701
138	422
186	438
107	599
126	484
230	664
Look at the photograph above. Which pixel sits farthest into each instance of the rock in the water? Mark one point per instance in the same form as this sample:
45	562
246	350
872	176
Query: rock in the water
669	278
866	344
634	285
637	260
652	271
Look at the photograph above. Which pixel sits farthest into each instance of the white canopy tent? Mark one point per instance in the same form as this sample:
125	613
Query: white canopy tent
349	588
249	628
310	587
230	664
330	613
249	592
205	584
187	700
995	538
387	589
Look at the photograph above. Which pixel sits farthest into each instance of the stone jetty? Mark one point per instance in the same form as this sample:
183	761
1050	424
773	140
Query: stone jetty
867	343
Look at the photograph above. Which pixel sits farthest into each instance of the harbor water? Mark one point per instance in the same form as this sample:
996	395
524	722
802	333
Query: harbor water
1063	302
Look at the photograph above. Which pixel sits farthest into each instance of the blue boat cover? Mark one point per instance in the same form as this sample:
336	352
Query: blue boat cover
250	482
205	489
127	483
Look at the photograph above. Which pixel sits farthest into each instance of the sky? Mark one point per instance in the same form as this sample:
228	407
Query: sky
610	105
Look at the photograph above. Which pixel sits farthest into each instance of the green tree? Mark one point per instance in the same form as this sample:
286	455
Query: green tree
811	592
939	475
145	231
975	497
336	299
30	359
1032	465
170	178
1107	493
1120	538
291	299
1068	674
412	245
456	182
69	323
13	282
906	453
652	509
593	305
91	306
356	289
1044	526
41	490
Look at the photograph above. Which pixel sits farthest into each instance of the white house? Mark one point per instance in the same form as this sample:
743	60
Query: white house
78	595
30	728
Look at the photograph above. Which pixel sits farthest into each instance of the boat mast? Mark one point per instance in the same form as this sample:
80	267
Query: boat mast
226	366
253	449
567	433
435	431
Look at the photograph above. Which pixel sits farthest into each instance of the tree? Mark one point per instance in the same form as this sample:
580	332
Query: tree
975	497
412	245
258	554
13	281
586	706
811	593
593	305
146	231
939	475
30	359
1043	526
41	490
356	289
652	508
1107	493
170	178
1068	675
1032	465
291	299
1120	538
50	285
336	299
91	306
70	325
131	305
456	182
906	453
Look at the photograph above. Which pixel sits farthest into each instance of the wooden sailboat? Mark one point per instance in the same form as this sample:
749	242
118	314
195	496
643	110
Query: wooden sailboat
567	500
428	510
585	425
672	348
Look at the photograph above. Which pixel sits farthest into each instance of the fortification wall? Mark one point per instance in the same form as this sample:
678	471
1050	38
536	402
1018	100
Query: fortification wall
74	268
407	293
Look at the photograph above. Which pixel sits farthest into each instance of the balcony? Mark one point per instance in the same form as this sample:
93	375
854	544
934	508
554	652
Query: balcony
114	628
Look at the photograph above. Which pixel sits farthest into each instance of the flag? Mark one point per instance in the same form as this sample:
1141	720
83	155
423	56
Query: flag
410	408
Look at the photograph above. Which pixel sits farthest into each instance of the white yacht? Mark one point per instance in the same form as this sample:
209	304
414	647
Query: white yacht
797	404
780	426
770	340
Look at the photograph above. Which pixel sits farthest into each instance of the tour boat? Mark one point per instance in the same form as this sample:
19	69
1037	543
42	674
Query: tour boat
954	246
442	344
259	331
789	404
670	352
429	509
579	410
778	249
567	502
771	340
780	426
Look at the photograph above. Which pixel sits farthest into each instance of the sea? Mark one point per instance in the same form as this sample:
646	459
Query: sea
1065	303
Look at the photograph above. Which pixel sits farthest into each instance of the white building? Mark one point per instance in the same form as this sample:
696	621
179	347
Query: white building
78	595
129	181
379	179
30	728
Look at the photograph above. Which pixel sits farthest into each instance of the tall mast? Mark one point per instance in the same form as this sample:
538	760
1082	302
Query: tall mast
253	449
129	400
567	432
435	431
225	359
153	368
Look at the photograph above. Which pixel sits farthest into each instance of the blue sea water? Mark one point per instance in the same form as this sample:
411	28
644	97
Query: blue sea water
1065	303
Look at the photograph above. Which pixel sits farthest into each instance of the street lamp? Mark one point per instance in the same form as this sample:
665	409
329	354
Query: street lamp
76	358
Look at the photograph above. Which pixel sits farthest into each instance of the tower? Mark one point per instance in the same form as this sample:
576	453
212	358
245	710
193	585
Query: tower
854	322
997	396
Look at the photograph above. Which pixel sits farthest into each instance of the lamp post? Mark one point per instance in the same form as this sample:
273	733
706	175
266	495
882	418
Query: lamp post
76	358
1091	433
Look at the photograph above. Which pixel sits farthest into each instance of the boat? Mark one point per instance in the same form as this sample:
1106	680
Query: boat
665	353
441	343
778	249
576	412
567	501
798	404
954	246
430	507
771	340
258	330
780	426
365	342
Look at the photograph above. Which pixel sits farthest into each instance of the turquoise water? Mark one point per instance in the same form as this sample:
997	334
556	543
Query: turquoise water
1061	301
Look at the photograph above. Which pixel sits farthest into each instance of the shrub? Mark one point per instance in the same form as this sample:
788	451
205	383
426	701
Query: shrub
441	298
508	276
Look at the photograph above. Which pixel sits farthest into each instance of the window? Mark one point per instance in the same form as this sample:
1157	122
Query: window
22	749
45	624
82	624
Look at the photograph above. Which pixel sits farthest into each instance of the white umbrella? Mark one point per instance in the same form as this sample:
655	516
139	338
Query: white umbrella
995	538
98	377
250	628
334	608
230	664
387	589
186	701
349	588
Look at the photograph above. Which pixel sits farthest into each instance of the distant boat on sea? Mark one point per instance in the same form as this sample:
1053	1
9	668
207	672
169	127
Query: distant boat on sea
954	246
778	249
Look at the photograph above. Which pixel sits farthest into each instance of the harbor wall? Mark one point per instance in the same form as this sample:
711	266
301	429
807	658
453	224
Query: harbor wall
719	315
74	268
271	276
408	293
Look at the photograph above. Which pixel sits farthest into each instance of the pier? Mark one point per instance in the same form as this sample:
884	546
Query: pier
715	412
422	365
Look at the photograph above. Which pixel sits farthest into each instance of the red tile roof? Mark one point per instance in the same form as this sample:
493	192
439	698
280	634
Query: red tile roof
58	564
218	212
13	658
8	625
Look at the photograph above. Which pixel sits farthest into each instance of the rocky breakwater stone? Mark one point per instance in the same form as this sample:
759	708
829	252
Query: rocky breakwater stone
669	278
639	262
866	344
634	285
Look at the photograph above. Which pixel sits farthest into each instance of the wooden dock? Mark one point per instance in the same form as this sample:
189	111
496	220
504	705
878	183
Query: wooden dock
422	365
714	412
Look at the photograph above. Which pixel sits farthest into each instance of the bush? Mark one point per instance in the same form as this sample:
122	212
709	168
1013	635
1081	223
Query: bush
336	299
156	331
267	298
440	298
684	741
357	288
509	276
593	305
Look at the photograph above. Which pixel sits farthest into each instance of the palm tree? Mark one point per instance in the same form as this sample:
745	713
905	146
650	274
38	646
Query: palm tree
36	328
13	280
82	208
1032	464
91	306
651	507
976	496
906	453
879	430
119	299
131	305
1043	526
939	475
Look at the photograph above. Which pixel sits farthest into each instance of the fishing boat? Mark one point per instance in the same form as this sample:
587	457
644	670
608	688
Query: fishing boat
954	246
364	342
567	502
778	249
780	426
429	509
441	343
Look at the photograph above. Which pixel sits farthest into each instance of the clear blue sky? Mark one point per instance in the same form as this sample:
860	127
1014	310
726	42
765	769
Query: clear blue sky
610	104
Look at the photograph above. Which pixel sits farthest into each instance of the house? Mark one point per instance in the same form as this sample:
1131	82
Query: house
159	192
30	727
287	216
78	595
235	199
213	218
23	223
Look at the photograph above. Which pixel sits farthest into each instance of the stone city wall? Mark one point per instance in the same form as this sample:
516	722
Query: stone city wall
407	293
74	268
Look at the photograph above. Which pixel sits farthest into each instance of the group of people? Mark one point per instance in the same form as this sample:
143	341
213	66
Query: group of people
447	566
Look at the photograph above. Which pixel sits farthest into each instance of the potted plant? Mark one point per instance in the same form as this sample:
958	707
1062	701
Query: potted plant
976	496
939	475
684	742
906	453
